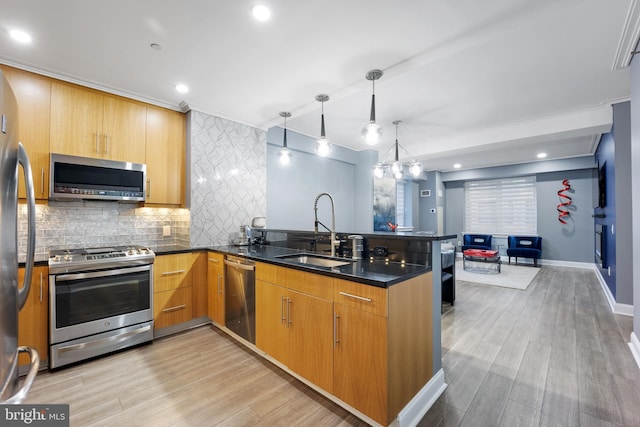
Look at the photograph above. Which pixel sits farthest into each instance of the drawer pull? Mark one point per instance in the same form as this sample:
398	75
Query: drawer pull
356	297
177	307
214	260
171	273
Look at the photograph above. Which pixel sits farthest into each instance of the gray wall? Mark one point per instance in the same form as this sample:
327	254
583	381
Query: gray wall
572	242
292	189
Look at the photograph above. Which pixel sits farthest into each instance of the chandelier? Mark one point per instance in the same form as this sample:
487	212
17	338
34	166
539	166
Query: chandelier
397	168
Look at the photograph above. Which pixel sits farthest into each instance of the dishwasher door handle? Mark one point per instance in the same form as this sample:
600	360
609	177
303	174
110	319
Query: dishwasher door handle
248	267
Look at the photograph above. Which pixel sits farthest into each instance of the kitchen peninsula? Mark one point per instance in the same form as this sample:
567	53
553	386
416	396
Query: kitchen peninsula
365	333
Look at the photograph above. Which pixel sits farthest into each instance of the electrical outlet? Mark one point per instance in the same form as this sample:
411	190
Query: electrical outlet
166	230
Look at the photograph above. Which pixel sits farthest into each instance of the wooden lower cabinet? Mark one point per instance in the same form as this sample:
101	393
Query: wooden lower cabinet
172	307
215	279
296	329
33	320
370	347
200	285
360	361
179	288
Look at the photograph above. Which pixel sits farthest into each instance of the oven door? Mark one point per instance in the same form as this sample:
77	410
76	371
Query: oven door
89	303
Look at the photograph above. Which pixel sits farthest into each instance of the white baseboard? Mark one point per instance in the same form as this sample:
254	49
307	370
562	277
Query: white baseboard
417	407
617	308
634	345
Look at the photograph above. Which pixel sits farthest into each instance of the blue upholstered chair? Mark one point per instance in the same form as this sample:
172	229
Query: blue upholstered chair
476	241
525	247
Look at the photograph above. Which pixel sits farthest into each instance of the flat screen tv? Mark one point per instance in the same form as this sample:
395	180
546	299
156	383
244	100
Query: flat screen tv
602	185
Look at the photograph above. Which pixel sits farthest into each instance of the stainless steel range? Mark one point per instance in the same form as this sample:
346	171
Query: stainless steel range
100	301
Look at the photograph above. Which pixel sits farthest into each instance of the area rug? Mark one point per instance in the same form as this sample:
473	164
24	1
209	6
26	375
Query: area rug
511	276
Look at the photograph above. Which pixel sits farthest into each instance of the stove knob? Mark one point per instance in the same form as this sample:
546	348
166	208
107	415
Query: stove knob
57	258
130	251
67	257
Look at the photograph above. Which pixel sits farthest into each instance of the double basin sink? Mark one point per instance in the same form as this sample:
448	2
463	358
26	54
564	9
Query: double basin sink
315	260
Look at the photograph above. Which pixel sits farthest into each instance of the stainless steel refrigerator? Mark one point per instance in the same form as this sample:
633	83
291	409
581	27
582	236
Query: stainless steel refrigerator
13	295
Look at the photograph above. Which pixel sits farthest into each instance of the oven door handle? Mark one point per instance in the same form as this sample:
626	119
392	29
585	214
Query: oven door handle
102	341
93	274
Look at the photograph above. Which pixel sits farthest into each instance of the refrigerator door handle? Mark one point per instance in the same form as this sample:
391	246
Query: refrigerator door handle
23	159
21	394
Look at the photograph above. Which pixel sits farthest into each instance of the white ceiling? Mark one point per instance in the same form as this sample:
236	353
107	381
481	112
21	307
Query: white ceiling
476	82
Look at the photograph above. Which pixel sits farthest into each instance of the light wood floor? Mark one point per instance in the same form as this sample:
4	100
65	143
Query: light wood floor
551	355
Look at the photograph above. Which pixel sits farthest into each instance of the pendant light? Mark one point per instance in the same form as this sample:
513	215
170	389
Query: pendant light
323	146
372	132
285	154
396	166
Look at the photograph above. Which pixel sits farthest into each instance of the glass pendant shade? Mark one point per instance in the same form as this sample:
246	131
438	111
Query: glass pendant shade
285	156
415	169
396	168
378	170
372	133
323	147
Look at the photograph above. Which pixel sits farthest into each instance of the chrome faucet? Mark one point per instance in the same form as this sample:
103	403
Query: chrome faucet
332	230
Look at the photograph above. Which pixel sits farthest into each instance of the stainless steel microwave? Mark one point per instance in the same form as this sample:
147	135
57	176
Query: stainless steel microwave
73	177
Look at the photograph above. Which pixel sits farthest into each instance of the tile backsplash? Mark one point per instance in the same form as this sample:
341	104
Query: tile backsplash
78	224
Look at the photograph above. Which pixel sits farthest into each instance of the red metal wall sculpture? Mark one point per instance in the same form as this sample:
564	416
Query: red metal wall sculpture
565	201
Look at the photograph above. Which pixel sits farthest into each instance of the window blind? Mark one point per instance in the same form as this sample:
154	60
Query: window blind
400	220
501	206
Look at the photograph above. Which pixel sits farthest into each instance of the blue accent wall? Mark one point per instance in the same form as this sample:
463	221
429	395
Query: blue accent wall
605	155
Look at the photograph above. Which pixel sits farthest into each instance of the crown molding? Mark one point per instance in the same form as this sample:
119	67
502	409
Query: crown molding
628	38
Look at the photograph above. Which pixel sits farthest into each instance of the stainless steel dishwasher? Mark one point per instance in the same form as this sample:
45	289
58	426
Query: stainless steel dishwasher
240	297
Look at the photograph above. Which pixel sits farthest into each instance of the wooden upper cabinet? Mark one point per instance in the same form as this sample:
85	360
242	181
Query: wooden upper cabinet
165	155
87	123
124	130
33	94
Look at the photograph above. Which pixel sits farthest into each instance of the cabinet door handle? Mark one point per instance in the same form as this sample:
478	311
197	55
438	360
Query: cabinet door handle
97	142
282	318
219	281
336	340
42	181
149	187
177	307
41	286
170	273
289	321
356	297
214	260
106	143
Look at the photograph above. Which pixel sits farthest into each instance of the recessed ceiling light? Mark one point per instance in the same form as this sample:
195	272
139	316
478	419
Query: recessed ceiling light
261	12
457	166
542	155
182	88
20	36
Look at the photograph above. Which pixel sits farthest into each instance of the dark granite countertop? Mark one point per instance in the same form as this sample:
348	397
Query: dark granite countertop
375	272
